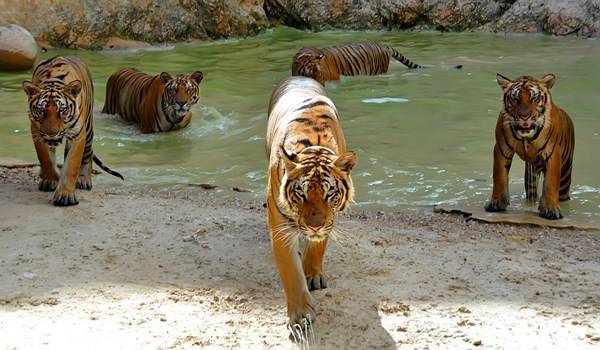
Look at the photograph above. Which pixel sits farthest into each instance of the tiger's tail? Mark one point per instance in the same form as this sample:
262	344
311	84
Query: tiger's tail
107	169
402	59
410	64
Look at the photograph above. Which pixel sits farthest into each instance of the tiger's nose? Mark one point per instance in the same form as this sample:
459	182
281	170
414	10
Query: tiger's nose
315	228
181	104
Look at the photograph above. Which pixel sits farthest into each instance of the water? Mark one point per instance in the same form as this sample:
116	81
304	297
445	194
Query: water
422	137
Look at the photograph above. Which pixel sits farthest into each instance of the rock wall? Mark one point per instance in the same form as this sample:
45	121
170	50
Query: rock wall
92	23
557	17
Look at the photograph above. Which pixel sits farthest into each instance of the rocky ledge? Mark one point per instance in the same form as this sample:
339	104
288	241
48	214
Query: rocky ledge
96	23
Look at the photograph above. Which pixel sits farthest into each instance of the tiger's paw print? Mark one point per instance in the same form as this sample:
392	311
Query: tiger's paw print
64	198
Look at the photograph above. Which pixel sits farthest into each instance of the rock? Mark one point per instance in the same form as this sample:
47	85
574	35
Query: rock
557	17
18	49
104	23
118	43
91	24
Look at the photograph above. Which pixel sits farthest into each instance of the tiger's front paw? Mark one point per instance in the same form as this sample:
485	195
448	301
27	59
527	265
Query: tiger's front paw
550	213
316	282
301	319
83	183
303	310
64	198
46	185
495	205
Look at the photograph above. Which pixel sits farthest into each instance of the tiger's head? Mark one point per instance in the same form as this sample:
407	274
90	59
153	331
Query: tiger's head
526	101
53	108
307	63
316	185
180	94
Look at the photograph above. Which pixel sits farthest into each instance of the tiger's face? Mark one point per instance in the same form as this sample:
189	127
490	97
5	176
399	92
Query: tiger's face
316	186
53	108
526	100
180	94
307	63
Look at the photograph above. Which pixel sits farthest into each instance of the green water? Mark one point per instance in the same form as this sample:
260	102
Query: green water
432	144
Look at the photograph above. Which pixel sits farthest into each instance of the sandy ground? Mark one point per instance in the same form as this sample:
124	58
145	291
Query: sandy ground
191	270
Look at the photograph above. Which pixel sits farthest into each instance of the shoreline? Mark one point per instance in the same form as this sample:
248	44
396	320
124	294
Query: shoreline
185	269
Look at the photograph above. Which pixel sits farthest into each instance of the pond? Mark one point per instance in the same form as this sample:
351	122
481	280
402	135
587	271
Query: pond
422	137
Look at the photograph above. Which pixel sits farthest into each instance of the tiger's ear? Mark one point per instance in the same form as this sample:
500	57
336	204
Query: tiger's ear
73	88
289	159
30	88
197	76
548	80
165	77
502	80
346	161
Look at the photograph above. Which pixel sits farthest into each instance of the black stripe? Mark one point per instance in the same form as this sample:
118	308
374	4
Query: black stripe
311	105
305	142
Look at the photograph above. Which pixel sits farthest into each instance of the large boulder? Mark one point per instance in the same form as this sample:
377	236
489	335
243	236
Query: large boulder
91	23
18	49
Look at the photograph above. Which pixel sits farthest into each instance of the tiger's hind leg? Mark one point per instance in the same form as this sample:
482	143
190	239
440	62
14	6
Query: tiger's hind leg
565	177
532	175
84	180
312	264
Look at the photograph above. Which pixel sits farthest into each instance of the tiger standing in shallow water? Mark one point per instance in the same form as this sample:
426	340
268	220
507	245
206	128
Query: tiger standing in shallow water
330	63
61	97
308	183
542	134
156	103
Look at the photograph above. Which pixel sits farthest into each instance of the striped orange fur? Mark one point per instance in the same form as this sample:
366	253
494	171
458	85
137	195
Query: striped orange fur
542	134
309	182
156	103
61	98
330	63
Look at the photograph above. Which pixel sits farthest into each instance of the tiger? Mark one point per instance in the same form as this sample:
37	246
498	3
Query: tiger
363	58
157	103
61	97
542	134
308	183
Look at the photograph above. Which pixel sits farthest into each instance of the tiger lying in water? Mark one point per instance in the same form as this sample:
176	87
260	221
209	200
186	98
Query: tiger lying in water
308	183
156	103
61	98
330	63
542	134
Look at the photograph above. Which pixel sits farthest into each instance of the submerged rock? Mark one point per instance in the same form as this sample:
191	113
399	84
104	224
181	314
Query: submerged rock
18	49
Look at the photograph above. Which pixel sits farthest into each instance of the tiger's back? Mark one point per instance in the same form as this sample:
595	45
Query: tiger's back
330	63
300	115
132	95
358	59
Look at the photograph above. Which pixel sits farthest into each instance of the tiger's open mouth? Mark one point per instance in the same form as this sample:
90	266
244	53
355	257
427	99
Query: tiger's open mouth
53	142
526	131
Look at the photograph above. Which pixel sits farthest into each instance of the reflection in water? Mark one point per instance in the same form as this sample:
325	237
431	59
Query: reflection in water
423	137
